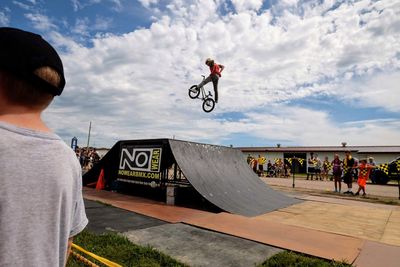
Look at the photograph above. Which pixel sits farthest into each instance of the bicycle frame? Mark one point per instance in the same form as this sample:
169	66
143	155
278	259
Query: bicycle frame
208	101
203	92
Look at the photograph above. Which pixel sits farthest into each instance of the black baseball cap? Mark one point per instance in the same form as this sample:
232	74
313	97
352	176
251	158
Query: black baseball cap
22	52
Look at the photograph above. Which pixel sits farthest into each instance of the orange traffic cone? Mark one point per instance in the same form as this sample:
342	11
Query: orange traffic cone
101	182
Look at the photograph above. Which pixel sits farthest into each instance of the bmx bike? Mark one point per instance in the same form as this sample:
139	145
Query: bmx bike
208	101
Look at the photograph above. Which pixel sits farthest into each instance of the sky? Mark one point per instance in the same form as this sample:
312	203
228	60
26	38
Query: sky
297	73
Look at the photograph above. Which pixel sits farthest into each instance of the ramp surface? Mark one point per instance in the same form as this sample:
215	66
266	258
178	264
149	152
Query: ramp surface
221	175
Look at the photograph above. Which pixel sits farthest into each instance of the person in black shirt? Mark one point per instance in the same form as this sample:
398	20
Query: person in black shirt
348	164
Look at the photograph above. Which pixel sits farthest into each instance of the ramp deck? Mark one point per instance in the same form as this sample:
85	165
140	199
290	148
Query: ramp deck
221	175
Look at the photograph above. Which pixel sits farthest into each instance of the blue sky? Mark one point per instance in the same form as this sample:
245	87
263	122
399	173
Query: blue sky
297	72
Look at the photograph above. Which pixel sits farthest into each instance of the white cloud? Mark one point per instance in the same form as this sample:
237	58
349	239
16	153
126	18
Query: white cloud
313	127
243	5
80	4
76	5
118	6
22	5
147	3
102	23
380	90
135	85
41	22
81	26
4	19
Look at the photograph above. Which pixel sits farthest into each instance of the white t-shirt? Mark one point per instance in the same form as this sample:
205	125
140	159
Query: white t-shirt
41	204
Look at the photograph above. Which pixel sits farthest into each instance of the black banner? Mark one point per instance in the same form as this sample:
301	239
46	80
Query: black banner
140	162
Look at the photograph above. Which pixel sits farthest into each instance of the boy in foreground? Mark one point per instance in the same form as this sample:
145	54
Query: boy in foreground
41	205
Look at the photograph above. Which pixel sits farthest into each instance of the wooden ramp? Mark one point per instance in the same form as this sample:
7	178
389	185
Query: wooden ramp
218	173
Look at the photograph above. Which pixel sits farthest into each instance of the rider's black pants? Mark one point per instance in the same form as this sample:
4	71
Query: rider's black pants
214	78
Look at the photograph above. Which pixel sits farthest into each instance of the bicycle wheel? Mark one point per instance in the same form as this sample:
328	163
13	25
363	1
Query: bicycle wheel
194	92
208	104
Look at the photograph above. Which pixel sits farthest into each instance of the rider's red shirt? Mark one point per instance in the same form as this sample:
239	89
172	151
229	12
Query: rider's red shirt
215	69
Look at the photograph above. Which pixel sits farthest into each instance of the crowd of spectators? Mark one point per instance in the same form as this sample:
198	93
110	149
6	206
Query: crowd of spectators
279	168
346	170
87	157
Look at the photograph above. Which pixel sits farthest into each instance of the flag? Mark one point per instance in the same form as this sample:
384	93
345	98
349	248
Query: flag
384	167
328	165
262	160
346	169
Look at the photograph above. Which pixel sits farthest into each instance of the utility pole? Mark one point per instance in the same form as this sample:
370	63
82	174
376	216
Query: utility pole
293	168
88	139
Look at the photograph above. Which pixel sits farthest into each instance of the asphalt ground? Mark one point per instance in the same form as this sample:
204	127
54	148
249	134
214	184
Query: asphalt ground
191	245
105	218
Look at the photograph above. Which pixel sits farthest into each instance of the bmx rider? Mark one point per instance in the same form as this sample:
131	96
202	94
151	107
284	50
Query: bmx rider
214	76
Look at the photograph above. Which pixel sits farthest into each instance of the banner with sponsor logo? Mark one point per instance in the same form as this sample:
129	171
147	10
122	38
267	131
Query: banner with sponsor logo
140	162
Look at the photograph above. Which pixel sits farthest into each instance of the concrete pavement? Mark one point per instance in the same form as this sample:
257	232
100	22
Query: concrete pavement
199	247
371	189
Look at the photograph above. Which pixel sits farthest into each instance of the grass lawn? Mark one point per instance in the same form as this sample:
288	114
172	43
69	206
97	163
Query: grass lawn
120	250
291	259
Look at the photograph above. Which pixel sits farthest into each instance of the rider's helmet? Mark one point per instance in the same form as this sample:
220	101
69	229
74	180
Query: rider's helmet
208	61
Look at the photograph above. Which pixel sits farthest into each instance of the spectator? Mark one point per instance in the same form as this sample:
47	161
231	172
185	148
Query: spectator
279	168
364	171
287	170
93	158
249	157
355	169
261	161
318	167
253	164
41	205
269	169
325	168
337	172
372	163
274	171
95	155
348	165
311	166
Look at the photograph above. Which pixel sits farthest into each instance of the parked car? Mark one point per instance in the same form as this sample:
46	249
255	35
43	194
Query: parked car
380	177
